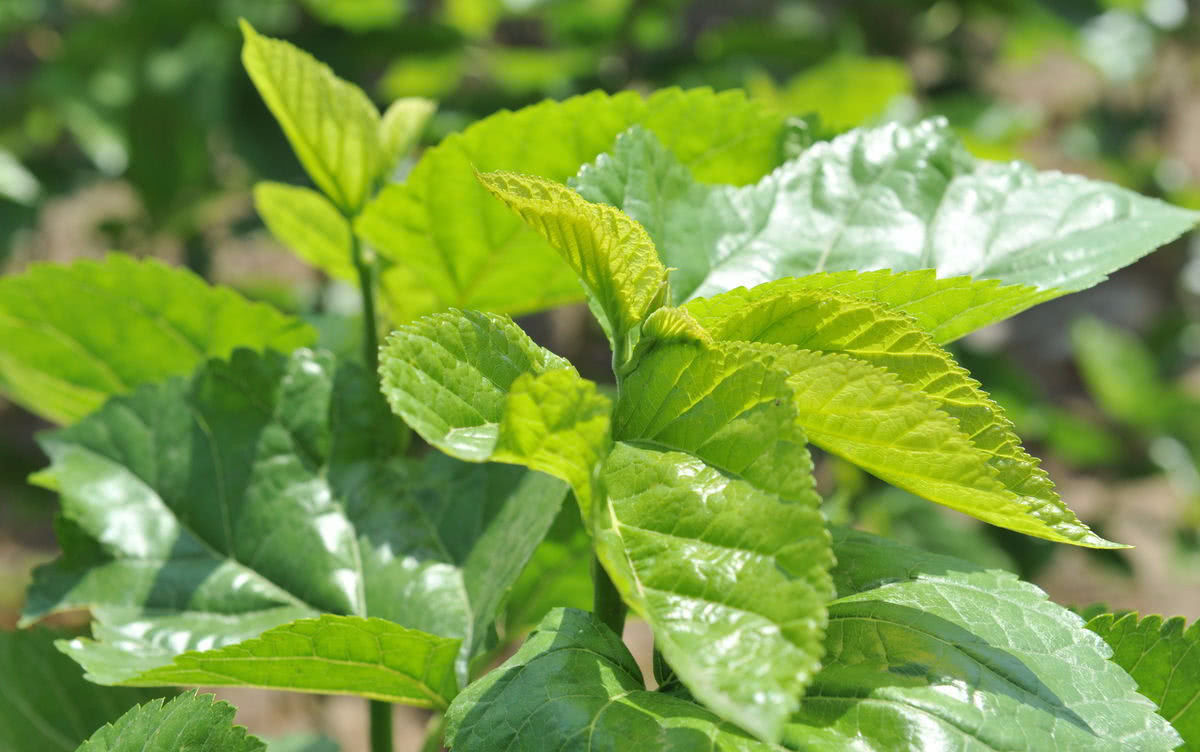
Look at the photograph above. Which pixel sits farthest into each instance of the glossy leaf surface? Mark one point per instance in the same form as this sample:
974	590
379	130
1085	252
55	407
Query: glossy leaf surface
329	655
189	722
187	505
573	686
305	222
1163	656
893	197
892	342
45	703
73	336
732	580
331	124
472	252
929	652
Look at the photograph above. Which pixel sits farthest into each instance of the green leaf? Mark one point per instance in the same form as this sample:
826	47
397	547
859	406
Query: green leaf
611	254
45	703
893	197
475	386
331	124
732	580
305	221
73	336
187	505
828	322
302	742
927	650
358	15
1163	656
845	90
329	655
1121	375
472	252
191	721
402	126
574	686
558	575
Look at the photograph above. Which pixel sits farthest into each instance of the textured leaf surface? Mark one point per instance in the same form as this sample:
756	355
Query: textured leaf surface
189	722
475	386
610	253
828	322
187	505
893	197
1163	656
925	651
331	124
732	580
574	686
72	336
472	252
305	221
329	655
45	703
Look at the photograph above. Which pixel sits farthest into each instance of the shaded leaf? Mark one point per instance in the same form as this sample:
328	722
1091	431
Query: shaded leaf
1163	656
190	721
893	197
187	504
472	252
574	686
1121	375
927	649
305	222
557	575
45	703
732	580
73	336
328	655
845	90
331	124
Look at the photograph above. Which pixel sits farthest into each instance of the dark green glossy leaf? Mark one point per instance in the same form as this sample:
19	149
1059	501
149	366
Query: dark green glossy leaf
574	687
1163	656
45	703
893	197
929	652
72	336
188	505
472	252
189	722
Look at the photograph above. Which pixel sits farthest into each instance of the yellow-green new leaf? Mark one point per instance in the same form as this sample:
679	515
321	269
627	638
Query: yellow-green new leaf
611	253
331	124
328	655
402	125
305	222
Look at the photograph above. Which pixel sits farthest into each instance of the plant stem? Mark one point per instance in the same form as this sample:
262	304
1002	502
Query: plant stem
606	602
381	726
366	283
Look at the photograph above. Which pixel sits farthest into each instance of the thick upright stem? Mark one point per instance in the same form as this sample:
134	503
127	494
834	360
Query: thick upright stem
381	726
606	603
366	283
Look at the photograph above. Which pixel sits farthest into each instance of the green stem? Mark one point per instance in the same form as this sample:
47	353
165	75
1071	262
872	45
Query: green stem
366	283
381	726
606	602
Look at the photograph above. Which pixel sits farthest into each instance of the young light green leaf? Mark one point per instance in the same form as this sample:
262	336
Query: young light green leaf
732	580
329	655
893	197
844	90
305	221
828	322
187	504
47	705
190	721
610	253
475	386
472	252
574	685
923	647
402	125
331	124
73	336
1122	376
1163	656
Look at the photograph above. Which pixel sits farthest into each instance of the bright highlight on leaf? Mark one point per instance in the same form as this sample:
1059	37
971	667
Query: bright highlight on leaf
73	336
189	722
